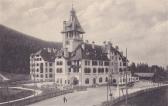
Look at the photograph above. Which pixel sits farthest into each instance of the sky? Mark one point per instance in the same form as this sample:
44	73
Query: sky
141	26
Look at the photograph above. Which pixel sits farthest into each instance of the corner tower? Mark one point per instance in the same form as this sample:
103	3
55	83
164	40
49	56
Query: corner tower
72	32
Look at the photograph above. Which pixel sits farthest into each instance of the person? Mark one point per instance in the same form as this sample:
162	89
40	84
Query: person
65	99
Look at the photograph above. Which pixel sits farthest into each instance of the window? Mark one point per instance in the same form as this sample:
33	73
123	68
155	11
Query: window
50	69
37	64
37	70
106	79
106	63
69	69
59	62
101	63
69	62
94	63
100	70
76	70
50	75
46	76
87	70
59	70
87	62
94	70
100	79
41	64
124	64
120	64
106	70
41	70
87	81
50	64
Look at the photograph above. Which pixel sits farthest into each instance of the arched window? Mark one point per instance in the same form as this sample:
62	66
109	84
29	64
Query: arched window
100	79
87	81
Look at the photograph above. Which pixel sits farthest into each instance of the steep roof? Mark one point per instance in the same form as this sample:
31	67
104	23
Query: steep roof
47	54
93	53
89	52
73	24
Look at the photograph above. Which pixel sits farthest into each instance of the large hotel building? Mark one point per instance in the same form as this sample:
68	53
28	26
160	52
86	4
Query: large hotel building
78	62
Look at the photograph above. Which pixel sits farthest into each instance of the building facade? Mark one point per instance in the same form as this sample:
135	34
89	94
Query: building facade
82	63
42	65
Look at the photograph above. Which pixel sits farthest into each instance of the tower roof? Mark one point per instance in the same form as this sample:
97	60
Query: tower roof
72	24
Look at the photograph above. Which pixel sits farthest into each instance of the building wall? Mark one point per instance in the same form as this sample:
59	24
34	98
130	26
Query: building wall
41	70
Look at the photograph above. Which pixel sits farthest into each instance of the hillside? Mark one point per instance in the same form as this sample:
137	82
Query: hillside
15	49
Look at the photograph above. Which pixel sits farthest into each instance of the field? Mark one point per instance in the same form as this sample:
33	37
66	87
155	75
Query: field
7	94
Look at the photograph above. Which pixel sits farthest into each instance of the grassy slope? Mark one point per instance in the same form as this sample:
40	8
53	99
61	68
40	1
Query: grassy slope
15	49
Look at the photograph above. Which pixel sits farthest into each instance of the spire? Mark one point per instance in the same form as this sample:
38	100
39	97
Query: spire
73	23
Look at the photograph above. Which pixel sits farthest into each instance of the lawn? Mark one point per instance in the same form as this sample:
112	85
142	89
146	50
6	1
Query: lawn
13	94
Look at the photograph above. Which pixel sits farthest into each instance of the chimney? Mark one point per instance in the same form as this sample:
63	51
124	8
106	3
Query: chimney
104	44
54	50
121	53
49	50
93	45
64	24
117	48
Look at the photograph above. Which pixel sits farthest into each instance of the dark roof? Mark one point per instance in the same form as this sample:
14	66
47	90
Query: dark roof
94	53
88	52
47	55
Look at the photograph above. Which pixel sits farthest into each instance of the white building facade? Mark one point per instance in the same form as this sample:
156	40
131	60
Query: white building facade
42	65
83	64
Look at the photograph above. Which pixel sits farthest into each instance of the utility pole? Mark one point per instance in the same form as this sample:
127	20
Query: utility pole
126	99
107	94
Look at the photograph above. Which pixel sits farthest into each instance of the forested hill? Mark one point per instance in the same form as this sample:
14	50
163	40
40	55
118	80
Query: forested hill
15	49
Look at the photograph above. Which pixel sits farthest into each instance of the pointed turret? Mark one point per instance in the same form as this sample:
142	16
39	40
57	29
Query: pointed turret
72	32
73	24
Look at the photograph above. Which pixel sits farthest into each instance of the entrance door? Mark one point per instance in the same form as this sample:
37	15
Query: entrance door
75	81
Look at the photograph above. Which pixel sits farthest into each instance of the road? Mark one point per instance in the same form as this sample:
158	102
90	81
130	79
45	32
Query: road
91	97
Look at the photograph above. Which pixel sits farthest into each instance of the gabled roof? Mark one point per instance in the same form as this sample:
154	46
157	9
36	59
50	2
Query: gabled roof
47	55
73	24
93	53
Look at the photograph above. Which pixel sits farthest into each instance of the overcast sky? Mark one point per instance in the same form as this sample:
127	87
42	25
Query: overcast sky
139	25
